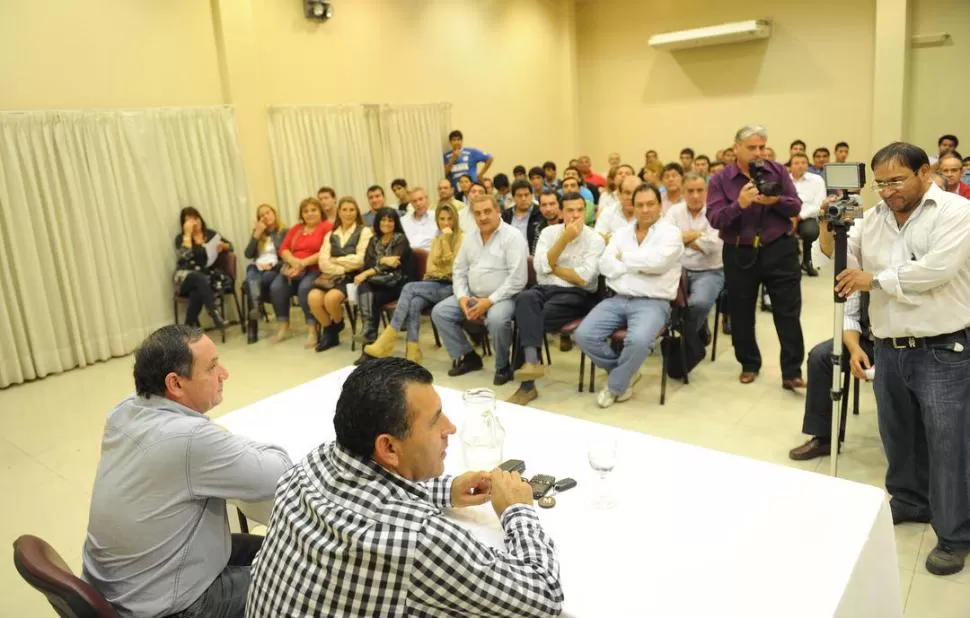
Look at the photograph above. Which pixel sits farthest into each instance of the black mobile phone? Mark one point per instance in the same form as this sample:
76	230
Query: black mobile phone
513	465
564	484
541	484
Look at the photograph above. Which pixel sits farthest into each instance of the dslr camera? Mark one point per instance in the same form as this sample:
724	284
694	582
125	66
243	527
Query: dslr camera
847	177
768	188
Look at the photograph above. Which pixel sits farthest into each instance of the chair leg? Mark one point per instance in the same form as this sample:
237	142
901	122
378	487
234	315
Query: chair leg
846	374
592	376
221	299
582	369
245	302
683	358
243	522
437	337
855	396
239	311
545	342
663	378
717	326
175	310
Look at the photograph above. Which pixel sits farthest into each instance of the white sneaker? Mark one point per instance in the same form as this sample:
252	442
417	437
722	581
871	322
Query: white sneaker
628	393
605	398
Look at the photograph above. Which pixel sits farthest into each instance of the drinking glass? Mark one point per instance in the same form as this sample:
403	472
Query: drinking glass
601	453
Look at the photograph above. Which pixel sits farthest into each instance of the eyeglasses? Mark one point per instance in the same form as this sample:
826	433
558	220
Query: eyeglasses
888	185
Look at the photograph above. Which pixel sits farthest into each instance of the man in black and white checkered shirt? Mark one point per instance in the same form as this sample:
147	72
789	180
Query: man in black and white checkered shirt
358	528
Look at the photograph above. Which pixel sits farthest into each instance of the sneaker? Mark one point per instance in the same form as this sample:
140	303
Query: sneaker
605	398
946	560
467	363
628	393
522	396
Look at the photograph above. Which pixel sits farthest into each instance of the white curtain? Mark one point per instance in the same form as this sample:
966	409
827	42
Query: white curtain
328	145
350	147
89	204
413	140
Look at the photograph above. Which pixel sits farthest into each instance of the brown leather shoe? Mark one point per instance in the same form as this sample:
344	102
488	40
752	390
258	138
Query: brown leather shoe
747	377
521	397
814	448
790	385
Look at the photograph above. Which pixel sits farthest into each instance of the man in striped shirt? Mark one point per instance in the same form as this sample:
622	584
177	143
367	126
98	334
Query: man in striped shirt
358	527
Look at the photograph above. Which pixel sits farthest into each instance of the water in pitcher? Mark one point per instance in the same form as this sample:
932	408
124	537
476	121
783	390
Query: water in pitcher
482	434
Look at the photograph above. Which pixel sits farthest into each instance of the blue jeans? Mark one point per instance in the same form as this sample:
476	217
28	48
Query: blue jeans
415	298
448	317
282	288
226	596
923	401
704	287
259	282
642	317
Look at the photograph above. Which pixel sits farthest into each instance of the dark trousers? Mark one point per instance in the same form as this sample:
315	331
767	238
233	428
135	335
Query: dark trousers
546	308
371	298
818	399
775	266
923	399
226	596
197	287
808	232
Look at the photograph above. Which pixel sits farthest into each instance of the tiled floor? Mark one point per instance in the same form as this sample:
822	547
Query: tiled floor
51	435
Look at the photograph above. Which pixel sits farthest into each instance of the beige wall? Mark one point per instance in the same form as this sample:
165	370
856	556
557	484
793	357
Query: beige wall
811	80
107	53
939	93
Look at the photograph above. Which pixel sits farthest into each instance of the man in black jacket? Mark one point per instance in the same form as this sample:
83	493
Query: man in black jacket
524	216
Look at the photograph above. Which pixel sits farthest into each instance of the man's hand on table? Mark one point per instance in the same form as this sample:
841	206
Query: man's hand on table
471	489
509	489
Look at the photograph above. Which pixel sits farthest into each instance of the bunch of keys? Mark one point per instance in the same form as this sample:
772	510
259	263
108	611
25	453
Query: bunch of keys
547	502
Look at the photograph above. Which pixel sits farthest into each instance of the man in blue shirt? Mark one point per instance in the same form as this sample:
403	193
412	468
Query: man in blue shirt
461	161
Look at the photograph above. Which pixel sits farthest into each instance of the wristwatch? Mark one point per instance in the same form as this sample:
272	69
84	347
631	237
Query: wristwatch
875	284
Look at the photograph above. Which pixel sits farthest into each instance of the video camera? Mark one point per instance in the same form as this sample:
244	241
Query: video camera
768	188
845	177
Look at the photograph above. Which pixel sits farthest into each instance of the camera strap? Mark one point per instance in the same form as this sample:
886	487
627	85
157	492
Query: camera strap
755	243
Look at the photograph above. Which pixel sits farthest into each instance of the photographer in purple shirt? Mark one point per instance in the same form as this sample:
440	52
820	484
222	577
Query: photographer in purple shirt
752	202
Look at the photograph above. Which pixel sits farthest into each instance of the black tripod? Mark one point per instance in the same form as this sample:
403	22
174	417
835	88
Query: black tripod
840	231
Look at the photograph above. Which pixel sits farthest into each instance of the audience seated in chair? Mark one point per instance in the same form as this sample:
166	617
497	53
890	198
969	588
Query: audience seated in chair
622	216
158	541
419	296
673	180
328	199
386	270
195	277
446	195
572	172
264	250
341	259
419	226
566	265
489	271
300	252
359	527
703	262
400	188
375	199
642	267
610	200
524	216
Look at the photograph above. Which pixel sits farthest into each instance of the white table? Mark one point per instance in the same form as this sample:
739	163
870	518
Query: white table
695	532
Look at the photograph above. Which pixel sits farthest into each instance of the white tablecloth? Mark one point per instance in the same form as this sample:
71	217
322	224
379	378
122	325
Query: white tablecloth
695	532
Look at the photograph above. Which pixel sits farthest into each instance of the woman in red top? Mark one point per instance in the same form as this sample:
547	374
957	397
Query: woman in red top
299	252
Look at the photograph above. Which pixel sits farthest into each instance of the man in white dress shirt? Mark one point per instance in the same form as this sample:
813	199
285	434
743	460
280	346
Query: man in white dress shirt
419	224
623	216
566	264
912	253
490	269
673	179
811	190
703	261
642	267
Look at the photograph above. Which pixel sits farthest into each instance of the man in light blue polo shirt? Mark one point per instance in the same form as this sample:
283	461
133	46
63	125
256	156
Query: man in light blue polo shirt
158	541
460	161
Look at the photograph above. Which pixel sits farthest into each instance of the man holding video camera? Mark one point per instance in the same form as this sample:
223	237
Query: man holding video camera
752	202
912	254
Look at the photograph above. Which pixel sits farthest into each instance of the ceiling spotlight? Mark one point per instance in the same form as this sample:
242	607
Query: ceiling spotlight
317	9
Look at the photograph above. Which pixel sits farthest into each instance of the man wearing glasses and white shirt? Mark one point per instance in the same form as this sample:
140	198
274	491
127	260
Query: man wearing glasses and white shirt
915	249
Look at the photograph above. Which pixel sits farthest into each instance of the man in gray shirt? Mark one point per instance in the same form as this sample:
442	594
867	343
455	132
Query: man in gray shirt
158	541
490	269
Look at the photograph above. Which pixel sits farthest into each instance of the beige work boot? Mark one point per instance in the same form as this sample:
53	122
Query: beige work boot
414	352
383	346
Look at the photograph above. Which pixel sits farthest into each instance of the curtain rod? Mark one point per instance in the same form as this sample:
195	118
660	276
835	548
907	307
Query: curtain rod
115	109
